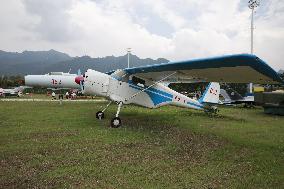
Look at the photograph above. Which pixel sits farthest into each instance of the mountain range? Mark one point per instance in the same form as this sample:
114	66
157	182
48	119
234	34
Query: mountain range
41	62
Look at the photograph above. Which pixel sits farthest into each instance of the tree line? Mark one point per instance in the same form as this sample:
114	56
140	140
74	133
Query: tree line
11	81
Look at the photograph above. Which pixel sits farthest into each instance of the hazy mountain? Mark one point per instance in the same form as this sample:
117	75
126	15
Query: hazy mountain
12	63
50	56
40	62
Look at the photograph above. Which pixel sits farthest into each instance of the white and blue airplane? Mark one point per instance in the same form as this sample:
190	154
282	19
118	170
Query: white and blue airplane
144	86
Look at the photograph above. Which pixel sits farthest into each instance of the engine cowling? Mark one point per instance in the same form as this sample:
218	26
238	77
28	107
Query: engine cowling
96	83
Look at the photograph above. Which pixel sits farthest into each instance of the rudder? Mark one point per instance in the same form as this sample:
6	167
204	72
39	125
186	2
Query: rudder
211	94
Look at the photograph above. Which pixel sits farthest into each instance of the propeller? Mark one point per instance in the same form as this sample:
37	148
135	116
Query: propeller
80	80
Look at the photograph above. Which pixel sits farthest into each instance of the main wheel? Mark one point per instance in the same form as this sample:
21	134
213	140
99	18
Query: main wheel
115	122
100	115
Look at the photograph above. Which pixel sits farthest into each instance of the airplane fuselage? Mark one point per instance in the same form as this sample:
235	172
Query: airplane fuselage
53	81
129	91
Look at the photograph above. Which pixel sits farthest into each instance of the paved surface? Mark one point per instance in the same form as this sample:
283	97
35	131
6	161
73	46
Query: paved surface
49	100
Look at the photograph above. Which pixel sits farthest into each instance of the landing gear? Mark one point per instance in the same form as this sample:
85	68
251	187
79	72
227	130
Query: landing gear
249	105
212	110
100	114
116	122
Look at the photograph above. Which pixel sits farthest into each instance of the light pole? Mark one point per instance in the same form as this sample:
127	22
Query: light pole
252	4
128	53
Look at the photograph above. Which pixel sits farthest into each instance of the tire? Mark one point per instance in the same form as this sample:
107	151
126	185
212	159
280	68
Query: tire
100	115
115	122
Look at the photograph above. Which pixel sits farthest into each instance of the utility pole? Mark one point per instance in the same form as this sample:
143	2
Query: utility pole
128	53
252	4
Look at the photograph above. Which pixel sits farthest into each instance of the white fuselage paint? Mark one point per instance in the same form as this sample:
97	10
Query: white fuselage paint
125	91
52	81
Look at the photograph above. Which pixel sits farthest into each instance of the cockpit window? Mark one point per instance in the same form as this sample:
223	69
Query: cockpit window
137	81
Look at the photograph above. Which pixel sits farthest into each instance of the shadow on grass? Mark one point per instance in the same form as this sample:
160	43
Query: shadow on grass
156	115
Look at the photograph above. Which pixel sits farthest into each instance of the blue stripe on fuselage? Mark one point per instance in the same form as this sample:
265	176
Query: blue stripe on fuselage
196	105
157	96
151	90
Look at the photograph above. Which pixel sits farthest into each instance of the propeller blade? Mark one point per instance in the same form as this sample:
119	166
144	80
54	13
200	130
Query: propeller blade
82	85
80	80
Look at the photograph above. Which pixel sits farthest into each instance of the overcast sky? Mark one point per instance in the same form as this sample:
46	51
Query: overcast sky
172	29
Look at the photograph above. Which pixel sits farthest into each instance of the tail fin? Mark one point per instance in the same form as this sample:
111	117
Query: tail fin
211	94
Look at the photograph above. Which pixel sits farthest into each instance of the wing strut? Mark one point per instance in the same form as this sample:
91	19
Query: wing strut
150	86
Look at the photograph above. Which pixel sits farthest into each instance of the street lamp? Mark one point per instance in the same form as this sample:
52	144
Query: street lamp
128	53
252	4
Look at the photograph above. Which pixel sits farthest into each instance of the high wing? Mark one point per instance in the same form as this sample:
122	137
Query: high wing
241	68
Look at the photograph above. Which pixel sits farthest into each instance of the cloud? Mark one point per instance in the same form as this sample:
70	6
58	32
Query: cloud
111	32
175	30
54	22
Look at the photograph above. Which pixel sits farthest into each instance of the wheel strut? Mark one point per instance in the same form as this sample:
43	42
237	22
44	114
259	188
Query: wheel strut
100	114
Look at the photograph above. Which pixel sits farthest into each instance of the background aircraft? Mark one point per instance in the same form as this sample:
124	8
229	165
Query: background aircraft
232	97
144	86
54	80
17	91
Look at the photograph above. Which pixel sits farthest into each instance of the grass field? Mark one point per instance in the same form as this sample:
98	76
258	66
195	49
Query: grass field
43	144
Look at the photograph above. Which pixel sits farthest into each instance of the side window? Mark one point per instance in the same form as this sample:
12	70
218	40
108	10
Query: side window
138	81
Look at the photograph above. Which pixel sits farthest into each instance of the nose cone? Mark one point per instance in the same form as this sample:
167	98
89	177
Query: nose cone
78	79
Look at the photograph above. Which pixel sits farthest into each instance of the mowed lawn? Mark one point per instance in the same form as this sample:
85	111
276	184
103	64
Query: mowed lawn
45	145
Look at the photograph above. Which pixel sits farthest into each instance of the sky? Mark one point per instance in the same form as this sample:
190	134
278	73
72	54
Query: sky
172	29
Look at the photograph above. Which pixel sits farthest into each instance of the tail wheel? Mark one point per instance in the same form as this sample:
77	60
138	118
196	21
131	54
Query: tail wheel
100	115
115	122
212	110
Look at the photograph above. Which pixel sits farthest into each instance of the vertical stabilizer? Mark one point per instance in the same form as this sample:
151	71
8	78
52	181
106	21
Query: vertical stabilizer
211	94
